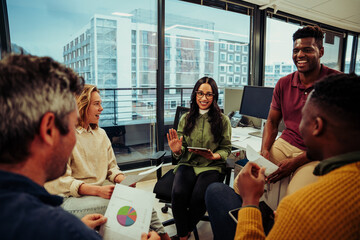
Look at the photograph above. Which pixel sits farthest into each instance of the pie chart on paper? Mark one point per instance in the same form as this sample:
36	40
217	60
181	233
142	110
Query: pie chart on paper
126	216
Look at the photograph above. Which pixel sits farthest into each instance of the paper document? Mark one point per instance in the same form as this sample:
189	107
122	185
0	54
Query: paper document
128	213
255	157
131	179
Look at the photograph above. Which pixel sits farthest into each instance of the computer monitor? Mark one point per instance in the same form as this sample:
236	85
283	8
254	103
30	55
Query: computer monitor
256	103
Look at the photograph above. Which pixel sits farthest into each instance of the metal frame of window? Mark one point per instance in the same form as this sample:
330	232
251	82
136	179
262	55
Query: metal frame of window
160	82
354	52
4	29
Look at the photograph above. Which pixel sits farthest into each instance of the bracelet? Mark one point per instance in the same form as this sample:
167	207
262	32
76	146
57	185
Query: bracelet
175	155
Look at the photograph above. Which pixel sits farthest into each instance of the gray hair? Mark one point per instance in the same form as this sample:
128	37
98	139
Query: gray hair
31	86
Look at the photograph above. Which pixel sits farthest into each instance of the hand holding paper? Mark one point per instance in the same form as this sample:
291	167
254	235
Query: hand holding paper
255	157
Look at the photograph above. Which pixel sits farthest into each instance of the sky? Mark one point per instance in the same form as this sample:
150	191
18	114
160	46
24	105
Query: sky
43	27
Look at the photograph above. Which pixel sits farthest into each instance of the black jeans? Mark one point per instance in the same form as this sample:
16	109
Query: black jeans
188	197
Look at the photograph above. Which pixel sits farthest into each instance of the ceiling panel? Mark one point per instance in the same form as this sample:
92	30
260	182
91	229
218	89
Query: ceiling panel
338	13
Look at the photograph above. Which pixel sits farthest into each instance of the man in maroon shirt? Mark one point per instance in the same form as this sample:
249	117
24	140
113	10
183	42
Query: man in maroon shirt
289	97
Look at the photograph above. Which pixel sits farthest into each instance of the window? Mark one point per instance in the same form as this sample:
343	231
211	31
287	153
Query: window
244	59
223	46
332	43
237	68
222	68
230	79
244	69
173	104
244	80
222	56
237	57
231	69
231	47
120	52
348	53
222	78
245	49
357	66
237	79
231	57
279	47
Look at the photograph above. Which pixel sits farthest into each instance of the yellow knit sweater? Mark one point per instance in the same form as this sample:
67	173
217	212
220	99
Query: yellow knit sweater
327	209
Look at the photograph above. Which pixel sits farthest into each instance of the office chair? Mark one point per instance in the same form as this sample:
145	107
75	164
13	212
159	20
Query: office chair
116	135
163	187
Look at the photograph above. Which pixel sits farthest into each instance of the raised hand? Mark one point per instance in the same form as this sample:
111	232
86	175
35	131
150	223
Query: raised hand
174	142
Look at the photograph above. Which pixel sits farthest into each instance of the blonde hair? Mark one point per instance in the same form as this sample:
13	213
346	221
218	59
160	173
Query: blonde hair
83	103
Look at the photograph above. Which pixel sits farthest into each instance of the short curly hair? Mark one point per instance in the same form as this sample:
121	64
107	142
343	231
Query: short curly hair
310	31
338	95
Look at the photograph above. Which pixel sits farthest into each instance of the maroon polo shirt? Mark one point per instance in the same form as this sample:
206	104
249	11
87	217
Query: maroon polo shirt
289	97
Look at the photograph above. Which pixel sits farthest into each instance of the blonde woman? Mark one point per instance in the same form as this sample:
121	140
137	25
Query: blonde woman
92	166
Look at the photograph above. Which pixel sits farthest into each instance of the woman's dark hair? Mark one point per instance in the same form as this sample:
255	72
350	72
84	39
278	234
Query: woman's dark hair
215	117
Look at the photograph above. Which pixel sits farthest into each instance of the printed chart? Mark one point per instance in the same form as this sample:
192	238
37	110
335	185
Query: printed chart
126	216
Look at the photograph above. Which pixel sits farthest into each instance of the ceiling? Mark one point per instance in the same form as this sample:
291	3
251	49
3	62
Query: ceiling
339	13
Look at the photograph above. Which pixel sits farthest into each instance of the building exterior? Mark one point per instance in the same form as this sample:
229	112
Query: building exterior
120	52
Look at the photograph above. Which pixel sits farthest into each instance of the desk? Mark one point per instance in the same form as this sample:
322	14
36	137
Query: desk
240	138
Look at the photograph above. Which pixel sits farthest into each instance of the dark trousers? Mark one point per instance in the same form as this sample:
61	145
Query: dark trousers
188	197
220	199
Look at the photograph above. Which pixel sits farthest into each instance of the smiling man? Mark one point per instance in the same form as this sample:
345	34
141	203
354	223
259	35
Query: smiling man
289	97
330	207
288	151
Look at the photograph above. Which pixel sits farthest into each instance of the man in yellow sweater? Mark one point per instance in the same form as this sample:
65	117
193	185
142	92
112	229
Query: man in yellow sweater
330	207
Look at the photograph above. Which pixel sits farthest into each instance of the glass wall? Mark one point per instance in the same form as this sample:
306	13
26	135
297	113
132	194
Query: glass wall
332	50
197	46
349	44
357	63
279	45
112	44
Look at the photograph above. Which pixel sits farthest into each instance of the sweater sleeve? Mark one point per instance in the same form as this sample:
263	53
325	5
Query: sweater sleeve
65	185
224	148
249	224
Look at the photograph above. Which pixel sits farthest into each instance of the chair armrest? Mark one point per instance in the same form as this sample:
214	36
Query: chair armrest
158	157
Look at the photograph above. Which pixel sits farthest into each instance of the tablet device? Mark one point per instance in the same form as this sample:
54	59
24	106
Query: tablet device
234	214
198	148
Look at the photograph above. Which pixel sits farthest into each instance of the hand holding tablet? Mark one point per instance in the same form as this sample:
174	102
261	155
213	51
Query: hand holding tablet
198	148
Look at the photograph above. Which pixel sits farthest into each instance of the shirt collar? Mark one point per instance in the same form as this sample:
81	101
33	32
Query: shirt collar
335	162
202	112
12	182
81	130
296	79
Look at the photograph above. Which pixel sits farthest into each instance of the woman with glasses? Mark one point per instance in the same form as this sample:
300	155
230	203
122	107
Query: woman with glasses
203	127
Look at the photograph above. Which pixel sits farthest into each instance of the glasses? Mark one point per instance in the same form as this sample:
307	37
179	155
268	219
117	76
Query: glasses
200	94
